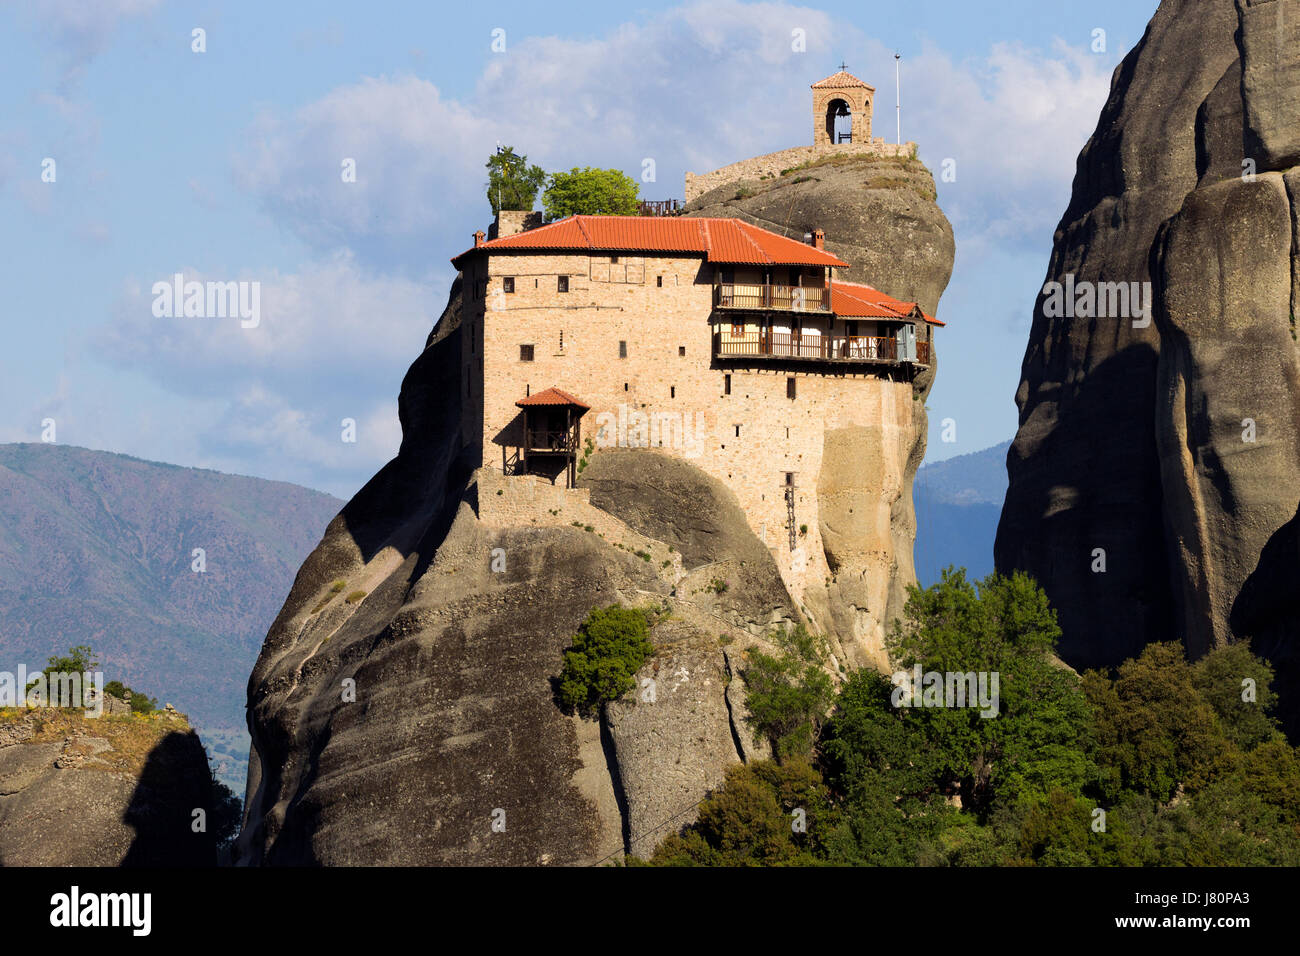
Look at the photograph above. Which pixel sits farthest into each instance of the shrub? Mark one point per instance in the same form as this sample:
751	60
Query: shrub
355	596
608	650
789	693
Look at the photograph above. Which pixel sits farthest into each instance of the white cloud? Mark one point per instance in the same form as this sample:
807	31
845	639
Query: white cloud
82	28
331	322
695	87
1014	122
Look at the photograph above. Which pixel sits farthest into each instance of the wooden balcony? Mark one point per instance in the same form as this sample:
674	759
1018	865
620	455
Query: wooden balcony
550	441
823	348
788	298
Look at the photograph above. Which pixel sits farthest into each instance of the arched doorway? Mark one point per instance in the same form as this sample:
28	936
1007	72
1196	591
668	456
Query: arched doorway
839	121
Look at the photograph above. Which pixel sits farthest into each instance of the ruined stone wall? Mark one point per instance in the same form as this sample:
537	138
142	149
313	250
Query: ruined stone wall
772	164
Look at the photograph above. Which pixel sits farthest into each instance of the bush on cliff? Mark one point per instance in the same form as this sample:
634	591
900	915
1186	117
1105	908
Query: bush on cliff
788	694
608	650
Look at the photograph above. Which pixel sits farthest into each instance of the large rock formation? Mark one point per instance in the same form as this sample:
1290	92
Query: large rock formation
1174	445
113	791
403	709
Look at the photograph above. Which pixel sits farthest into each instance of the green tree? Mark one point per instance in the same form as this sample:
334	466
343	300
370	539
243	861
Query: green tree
764	814
78	660
1219	677
512	183
788	694
1155	731
608	650
1002	627
592	192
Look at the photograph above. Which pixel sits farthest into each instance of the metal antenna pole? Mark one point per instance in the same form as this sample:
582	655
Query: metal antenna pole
898	86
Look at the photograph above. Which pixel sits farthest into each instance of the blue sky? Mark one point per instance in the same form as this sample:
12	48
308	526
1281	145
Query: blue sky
225	164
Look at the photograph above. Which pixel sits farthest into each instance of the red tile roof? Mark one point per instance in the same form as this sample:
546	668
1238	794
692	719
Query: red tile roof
729	241
840	79
856	300
552	397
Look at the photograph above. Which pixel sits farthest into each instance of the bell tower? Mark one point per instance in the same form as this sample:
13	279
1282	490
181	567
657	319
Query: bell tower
842	109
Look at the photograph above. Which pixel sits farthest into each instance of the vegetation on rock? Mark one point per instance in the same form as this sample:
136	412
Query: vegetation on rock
608	650
1163	762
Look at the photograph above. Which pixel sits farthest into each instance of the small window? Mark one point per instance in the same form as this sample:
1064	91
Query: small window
726	385
737	331
613	260
622	349
789	479
659	281
681	350
625	386
737	431
561	340
789	388
562	284
508	284
672	391
525	353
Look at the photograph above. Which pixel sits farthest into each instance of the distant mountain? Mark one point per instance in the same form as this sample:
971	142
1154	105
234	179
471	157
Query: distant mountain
958	502
99	549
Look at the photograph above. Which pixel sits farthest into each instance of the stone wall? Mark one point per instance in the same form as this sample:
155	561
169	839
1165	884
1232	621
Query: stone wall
772	164
666	395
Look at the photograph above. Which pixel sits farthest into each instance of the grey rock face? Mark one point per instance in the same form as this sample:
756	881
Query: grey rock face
452	748
1173	446
123	799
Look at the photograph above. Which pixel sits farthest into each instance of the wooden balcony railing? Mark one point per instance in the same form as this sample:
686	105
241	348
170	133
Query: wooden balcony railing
659	207
793	298
852	348
544	439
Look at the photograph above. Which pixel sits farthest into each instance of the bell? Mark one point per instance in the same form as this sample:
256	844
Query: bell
843	110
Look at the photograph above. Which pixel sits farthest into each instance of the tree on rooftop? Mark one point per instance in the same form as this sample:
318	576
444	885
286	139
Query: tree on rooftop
512	183
590	192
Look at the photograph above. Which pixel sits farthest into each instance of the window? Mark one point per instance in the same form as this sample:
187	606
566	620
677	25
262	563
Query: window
659	281
625	386
726	385
508	284
789	479
737	431
562	284
672	391
737	331
613	260
561	340
622	349
681	350
525	353
789	388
